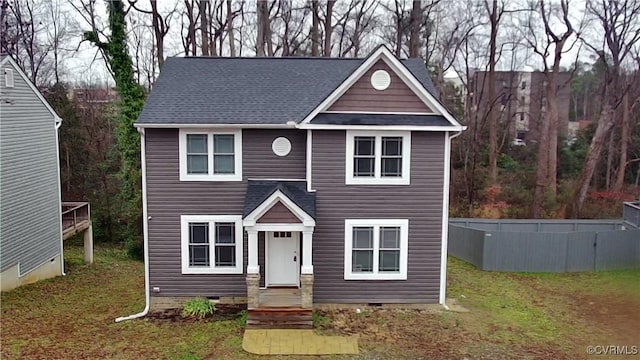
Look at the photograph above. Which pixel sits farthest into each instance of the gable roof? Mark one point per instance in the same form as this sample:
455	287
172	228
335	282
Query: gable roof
256	91
8	59
382	53
260	190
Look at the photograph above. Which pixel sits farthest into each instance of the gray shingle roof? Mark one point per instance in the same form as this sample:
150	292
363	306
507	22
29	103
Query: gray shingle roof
259	190
381	119
218	90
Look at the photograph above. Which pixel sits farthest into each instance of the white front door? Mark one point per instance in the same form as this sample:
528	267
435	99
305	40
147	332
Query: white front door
283	258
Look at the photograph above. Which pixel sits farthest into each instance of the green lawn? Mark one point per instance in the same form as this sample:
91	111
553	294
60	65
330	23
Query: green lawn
512	315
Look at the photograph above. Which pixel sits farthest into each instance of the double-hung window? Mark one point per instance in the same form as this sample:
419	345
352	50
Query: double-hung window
378	158
210	155
211	244
376	249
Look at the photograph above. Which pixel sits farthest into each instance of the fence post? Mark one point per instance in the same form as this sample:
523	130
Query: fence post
595	252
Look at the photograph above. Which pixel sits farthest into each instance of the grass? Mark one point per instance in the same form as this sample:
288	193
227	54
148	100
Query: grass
513	315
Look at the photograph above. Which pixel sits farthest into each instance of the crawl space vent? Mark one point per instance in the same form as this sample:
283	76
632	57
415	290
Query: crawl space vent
380	80
281	146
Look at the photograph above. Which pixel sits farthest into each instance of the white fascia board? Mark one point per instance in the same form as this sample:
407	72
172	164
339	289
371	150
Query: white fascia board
381	127
214	126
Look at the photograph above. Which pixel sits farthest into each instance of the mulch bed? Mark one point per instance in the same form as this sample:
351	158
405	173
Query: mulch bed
223	312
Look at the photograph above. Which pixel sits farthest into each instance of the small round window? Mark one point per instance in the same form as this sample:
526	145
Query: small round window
380	80
281	146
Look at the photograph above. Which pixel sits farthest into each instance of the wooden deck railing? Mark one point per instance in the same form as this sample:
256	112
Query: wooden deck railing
76	218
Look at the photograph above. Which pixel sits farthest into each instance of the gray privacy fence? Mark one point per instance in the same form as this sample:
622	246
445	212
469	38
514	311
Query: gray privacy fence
545	245
631	213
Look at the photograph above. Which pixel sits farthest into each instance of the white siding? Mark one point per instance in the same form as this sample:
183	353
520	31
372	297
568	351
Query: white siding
29	183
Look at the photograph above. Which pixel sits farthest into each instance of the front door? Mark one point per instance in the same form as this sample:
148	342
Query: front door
283	259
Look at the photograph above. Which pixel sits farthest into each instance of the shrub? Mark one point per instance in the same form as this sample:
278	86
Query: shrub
135	248
199	308
241	320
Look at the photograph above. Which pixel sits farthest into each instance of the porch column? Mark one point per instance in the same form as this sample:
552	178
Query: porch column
307	251
253	271
306	276
252	265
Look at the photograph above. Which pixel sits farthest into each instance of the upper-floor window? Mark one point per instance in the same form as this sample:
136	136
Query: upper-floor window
210	155
211	244
377	157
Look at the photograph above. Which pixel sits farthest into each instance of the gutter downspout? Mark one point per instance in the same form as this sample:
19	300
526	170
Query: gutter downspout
445	218
58	123
145	226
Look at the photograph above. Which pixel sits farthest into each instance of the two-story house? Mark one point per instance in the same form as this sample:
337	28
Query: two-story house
30	201
325	176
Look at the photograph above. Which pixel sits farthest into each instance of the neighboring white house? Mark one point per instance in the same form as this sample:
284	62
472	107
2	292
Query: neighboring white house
30	204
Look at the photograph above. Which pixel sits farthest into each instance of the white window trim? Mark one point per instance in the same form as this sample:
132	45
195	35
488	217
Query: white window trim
349	224
377	179
211	219
237	149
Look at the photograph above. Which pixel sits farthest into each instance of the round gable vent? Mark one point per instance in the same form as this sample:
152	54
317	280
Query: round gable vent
281	146
380	80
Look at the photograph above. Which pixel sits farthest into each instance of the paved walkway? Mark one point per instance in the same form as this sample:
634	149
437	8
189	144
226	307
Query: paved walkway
296	342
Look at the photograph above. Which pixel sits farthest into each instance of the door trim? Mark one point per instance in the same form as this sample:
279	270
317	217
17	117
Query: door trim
295	235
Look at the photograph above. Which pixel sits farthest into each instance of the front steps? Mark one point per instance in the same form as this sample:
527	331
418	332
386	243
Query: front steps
280	318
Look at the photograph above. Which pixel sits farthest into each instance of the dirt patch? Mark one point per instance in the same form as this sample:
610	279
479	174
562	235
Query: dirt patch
223	312
618	316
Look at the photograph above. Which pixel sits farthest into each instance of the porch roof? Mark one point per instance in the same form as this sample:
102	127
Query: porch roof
260	190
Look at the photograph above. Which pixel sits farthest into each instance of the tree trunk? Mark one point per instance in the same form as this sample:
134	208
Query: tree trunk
315	31
543	168
158	32
204	27
328	28
610	151
414	41
624	143
232	39
552	113
263	16
605	123
493	121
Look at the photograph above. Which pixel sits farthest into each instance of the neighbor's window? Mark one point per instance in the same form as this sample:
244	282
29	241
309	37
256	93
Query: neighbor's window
210	155
378	157
211	244
376	249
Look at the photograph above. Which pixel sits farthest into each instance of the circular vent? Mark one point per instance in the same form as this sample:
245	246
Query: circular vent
380	80
281	146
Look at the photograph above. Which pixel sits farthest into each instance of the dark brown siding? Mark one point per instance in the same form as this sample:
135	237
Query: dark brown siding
168	198
279	214
363	97
420	202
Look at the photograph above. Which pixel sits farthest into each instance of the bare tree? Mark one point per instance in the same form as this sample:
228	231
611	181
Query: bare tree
231	15
552	45
617	22
189	38
495	14
264	37
204	26
315	31
358	27
160	24
328	27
